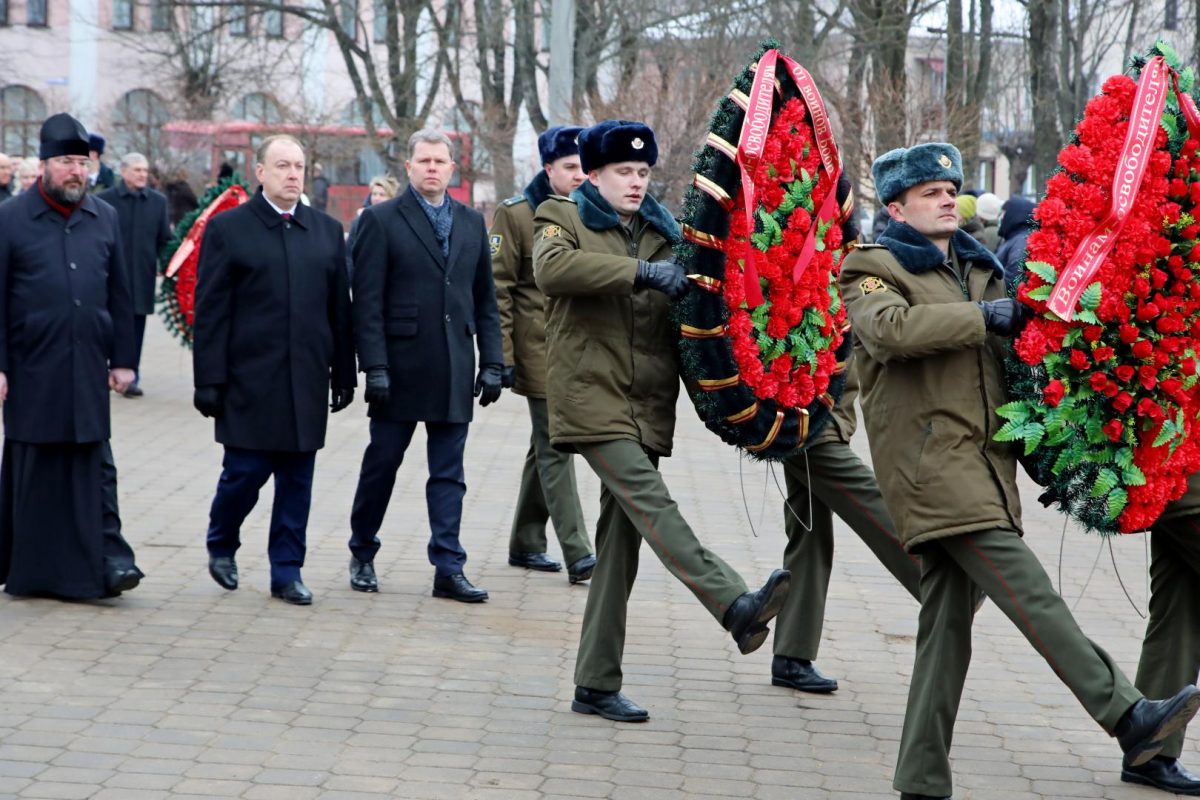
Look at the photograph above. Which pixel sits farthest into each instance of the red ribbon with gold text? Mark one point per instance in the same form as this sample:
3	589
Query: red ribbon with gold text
234	196
752	141
1127	180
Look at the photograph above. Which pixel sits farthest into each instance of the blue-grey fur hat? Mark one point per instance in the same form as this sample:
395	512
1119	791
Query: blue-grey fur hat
616	140
559	142
903	168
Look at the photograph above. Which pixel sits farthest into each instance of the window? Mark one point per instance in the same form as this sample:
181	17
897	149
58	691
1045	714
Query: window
3	12
238	16
379	20
348	14
137	120
258	107
122	15
160	15
1171	15
273	23
22	112
35	13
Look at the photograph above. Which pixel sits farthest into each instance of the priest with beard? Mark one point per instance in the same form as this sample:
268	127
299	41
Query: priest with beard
66	340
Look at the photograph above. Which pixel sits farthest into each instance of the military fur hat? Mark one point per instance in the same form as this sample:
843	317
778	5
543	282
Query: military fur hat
903	168
62	135
96	142
559	142
616	140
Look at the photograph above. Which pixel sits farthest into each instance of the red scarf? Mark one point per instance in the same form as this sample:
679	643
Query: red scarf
65	210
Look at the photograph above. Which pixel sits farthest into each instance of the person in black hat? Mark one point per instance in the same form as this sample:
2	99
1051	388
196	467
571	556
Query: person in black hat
548	490
66	340
100	175
603	259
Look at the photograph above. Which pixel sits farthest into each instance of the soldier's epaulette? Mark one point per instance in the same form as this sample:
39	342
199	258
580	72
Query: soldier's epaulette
561	197
512	201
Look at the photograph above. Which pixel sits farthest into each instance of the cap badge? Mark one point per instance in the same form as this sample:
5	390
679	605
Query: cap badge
637	144
945	161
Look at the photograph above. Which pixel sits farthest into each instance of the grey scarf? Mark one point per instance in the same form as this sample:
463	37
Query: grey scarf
440	217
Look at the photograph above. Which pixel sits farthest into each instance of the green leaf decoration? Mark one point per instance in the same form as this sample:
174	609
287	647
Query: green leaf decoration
1124	458
1043	270
1033	433
1106	481
1087	316
1090	299
1065	459
1017	411
1094	429
1133	476
1116	502
1041	293
1166	434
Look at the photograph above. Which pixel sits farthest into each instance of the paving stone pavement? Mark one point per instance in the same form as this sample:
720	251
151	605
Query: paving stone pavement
180	689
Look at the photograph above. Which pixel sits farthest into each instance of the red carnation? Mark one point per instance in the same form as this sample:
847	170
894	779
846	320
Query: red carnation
1053	393
1113	428
1148	376
1143	349
1102	354
1129	333
1092	333
1098	381
1122	402
1079	359
1124	373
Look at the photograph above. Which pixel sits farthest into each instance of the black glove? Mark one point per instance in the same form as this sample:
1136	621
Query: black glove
341	399
208	399
1006	317
509	379
377	385
488	383
665	276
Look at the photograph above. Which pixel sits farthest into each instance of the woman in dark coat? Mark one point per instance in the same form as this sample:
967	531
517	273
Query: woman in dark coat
1016	217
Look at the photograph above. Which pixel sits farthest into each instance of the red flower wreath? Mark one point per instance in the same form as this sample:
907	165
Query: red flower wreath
785	348
1109	410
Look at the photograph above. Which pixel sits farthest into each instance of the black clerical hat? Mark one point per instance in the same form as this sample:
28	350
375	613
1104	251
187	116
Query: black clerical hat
63	135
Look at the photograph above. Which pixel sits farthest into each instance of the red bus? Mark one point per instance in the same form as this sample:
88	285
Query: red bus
347	159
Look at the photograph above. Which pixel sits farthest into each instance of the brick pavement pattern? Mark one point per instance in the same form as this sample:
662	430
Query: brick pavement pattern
180	689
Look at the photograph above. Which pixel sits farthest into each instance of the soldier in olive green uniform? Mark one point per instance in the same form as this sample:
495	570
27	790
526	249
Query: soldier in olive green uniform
548	490
1171	649
825	479
603	259
929	309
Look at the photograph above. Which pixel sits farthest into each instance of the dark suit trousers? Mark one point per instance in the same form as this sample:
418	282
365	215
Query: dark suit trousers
244	473
444	491
139	335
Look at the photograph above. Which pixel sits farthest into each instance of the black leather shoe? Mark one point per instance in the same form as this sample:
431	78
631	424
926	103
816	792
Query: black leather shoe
800	674
224	571
610	705
1163	773
1145	726
582	569
134	391
295	593
746	620
538	561
122	580
911	796
362	576
457	587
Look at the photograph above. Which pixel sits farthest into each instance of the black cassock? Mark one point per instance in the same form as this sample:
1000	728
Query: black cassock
65	320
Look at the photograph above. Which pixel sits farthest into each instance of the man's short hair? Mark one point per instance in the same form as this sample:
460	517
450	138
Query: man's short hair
429	136
260	155
133	159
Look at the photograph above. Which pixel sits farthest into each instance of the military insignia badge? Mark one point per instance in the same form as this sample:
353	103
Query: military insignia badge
872	284
496	241
551	231
945	161
637	143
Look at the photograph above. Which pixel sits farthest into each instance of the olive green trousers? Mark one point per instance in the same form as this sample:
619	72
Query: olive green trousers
1171	650
841	484
635	505
548	493
953	571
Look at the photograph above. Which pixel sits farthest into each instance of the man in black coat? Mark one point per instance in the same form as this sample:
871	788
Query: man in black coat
272	329
66	339
100	175
423	299
145	231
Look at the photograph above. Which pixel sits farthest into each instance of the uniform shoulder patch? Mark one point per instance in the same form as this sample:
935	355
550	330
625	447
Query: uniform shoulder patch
496	240
512	201
551	231
562	197
872	284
